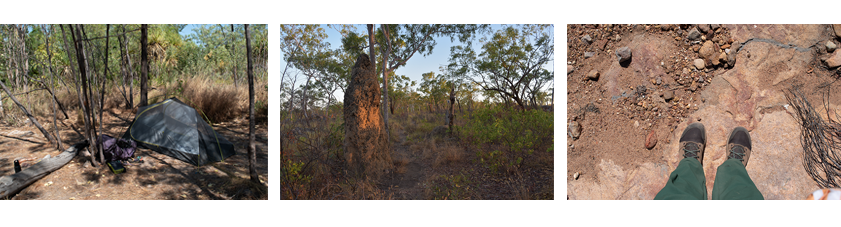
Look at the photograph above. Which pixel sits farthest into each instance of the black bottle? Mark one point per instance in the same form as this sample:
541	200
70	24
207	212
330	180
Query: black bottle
17	166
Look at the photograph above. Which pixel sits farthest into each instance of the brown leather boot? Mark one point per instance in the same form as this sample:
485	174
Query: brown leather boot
738	145
693	141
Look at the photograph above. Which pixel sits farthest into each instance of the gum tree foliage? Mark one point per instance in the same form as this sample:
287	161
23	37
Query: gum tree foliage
216	50
307	54
511	63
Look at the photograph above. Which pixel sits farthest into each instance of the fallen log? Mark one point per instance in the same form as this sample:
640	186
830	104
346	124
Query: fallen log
9	185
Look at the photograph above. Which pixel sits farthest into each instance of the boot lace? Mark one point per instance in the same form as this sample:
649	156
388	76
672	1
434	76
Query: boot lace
691	150
737	152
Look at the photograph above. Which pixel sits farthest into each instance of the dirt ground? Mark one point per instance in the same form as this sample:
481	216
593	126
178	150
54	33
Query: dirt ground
617	112
158	177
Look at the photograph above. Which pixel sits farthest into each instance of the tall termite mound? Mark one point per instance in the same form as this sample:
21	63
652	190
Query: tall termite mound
366	143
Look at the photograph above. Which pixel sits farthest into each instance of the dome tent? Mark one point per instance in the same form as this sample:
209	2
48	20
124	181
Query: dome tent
173	128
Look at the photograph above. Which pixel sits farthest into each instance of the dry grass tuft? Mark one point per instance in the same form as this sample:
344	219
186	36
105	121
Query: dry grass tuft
400	160
219	102
449	153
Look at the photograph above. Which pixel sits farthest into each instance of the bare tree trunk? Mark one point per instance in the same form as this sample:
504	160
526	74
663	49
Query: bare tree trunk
450	114
102	90
73	72
52	84
82	62
233	51
252	148
130	71
385	77
31	118
123	70
144	65
25	59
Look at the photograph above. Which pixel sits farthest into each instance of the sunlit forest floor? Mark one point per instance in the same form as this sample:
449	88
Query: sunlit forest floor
158	177
427	163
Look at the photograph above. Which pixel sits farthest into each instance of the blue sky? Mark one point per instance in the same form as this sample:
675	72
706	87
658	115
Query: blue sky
418	64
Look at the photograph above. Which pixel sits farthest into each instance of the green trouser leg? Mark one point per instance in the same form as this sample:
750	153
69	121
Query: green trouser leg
732	182
686	182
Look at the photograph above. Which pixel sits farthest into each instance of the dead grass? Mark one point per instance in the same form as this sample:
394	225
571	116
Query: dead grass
219	102
400	160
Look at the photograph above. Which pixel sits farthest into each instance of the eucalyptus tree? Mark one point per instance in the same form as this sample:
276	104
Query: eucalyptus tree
512	62
252	153
400	43
326	70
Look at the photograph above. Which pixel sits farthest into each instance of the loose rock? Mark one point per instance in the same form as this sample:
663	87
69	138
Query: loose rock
699	64
705	28
722	57
589	54
694	34
708	52
830	46
834	61
623	54
576	175
837	28
570	69
593	75
587	39
651	140
574	130
715	26
668	95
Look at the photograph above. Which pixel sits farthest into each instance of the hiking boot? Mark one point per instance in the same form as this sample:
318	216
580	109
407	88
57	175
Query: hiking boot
693	141
738	145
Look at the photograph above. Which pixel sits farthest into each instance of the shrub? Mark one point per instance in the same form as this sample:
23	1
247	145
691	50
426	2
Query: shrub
517	134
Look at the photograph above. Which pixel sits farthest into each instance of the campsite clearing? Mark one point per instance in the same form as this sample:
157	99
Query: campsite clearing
158	177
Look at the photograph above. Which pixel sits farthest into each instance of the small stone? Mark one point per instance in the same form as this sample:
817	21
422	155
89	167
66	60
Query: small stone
651	140
834	61
587	39
589	54
666	27
731	59
725	46
593	75
830	46
659	80
694	34
576	175
636	124
722	57
570	69
699	63
668	95
685	71
708	52
623	54
715	26
574	130
705	28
